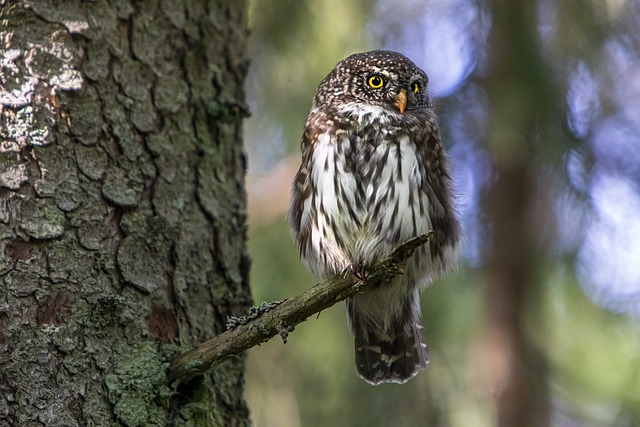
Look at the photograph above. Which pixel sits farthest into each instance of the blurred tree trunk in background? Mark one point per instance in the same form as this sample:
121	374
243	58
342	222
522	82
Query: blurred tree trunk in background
520	100
122	209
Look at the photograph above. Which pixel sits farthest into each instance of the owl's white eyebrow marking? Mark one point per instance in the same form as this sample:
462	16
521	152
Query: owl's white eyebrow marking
384	72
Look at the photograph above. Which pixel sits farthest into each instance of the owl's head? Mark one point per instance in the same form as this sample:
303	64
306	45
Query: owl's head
381	78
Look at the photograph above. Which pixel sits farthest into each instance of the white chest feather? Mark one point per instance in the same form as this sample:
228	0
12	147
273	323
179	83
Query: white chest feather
370	197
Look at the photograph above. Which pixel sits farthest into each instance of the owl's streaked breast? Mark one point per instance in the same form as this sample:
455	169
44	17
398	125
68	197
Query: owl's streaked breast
370	188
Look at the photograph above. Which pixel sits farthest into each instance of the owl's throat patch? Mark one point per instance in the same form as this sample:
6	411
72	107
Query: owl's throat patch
366	114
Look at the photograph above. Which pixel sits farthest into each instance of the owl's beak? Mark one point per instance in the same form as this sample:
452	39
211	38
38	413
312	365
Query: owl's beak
401	100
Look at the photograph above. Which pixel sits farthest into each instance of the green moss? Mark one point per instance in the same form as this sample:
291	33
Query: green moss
204	415
138	388
202	411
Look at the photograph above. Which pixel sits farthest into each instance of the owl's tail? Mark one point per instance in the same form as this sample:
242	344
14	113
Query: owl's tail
391	354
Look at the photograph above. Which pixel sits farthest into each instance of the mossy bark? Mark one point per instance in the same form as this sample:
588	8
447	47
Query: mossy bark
122	209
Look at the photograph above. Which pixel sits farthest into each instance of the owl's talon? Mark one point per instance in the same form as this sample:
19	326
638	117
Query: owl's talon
357	270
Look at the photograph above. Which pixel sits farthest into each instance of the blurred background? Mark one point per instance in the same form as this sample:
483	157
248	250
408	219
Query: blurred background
539	104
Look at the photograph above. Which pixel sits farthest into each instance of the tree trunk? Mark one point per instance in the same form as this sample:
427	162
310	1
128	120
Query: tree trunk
522	100
122	209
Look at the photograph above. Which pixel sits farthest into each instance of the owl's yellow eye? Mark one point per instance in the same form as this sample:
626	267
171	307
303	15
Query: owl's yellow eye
415	87
376	82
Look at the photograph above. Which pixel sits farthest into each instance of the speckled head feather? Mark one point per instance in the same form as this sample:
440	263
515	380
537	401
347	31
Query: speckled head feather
374	173
349	80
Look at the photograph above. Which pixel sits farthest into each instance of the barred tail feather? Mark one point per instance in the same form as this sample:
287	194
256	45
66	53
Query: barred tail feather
393	356
397	361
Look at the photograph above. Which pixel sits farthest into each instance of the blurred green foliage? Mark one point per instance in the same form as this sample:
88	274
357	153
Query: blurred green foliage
293	45
592	353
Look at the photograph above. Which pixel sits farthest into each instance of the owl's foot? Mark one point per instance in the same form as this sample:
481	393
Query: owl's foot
358	270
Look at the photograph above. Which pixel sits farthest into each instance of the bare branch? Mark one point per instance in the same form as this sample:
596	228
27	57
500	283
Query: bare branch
280	318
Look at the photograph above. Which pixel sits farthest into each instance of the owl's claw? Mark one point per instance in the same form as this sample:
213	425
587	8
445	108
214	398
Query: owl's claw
357	270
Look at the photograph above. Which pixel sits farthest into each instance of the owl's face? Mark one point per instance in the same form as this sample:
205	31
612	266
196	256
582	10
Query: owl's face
380	78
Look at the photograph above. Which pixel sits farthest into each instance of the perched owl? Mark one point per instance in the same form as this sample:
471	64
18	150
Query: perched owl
373	175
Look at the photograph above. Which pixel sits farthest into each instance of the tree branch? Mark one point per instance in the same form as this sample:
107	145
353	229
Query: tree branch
281	317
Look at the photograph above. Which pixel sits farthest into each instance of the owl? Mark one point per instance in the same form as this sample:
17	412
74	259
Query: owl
374	174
